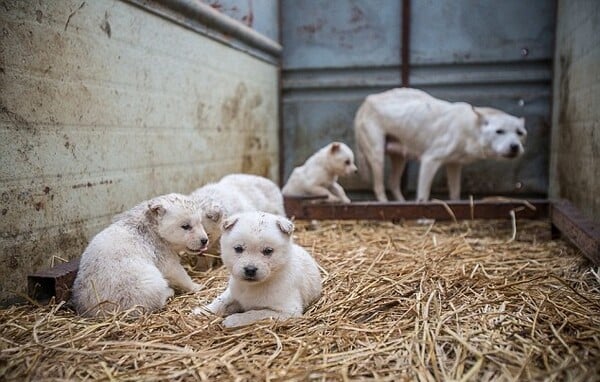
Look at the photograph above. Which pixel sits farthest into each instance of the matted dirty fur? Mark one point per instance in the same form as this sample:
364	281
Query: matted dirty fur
442	301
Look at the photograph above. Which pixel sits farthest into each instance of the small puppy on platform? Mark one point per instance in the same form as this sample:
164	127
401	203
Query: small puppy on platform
233	194
410	124
134	262
270	276
319	174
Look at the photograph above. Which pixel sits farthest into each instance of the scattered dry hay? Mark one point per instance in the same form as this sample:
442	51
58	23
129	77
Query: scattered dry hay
452	301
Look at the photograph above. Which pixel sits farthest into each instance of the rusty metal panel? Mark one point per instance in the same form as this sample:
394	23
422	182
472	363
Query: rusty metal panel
312	208
484	52
103	105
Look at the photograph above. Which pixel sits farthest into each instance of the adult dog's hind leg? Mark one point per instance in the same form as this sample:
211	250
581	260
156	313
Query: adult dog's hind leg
398	163
453	176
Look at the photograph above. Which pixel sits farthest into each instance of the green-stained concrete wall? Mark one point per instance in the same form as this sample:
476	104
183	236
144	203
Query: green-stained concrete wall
104	104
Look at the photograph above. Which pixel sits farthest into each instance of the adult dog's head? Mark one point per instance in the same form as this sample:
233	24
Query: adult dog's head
503	135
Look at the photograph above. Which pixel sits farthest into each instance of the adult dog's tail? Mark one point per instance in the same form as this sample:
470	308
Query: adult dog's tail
360	137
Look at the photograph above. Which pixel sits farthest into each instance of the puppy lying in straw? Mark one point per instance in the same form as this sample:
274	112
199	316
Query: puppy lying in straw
417	125
319	174
233	194
134	262
270	276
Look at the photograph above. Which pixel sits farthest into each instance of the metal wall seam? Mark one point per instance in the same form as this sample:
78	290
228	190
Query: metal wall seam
207	21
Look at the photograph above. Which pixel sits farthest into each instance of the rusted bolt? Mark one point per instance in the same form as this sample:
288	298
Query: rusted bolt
524	52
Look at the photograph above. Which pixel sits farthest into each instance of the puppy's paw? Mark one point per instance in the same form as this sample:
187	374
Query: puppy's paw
234	321
346	199
196	287
201	311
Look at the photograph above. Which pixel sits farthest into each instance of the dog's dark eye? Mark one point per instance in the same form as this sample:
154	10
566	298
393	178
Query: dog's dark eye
347	162
520	133
186	227
238	249
268	251
500	131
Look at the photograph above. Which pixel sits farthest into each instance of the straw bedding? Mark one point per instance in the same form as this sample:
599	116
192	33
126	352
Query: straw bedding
436	301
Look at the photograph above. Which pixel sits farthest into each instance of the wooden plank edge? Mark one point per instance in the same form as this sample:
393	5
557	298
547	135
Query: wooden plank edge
567	220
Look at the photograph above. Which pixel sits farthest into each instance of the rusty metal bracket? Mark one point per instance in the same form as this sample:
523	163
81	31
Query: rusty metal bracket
566	220
582	232
54	282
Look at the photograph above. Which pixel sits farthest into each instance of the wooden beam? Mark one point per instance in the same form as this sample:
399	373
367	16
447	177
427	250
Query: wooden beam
578	229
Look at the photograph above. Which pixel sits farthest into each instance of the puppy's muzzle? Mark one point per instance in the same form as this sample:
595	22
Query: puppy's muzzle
250	272
204	242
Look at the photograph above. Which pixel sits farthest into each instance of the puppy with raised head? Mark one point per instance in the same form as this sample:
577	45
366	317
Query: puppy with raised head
134	262
318	176
233	194
270	276
410	124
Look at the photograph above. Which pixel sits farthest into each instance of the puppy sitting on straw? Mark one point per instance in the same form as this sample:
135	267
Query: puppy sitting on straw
318	176
270	276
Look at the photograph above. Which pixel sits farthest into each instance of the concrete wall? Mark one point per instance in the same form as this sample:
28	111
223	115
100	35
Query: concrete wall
575	148
104	104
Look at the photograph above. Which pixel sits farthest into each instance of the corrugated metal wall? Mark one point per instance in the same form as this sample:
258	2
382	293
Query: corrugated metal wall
103	105
489	53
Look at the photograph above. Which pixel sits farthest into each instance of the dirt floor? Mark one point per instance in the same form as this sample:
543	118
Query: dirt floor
433	301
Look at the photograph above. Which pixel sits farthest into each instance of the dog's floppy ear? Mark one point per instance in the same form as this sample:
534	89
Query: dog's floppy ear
481	119
156	208
229	223
214	213
285	225
335	147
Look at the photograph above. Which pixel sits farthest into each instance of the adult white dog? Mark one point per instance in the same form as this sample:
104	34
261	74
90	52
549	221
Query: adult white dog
409	123
134	262
318	176
270	276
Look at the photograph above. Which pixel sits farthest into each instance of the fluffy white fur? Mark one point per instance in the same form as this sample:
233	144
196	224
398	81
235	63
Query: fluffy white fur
134	262
417	125
270	276
233	194
319	174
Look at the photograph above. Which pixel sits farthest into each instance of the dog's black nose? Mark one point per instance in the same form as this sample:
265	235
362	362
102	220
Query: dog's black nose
250	271
514	148
204	240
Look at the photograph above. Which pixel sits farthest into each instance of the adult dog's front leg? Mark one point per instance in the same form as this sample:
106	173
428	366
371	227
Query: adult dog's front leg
429	167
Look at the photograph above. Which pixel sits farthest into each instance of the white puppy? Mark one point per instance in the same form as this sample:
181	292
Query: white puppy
417	125
233	194
319	174
134	262
270	276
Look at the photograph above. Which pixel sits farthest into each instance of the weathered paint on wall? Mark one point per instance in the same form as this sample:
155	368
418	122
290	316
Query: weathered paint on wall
104	105
489	53
575	154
